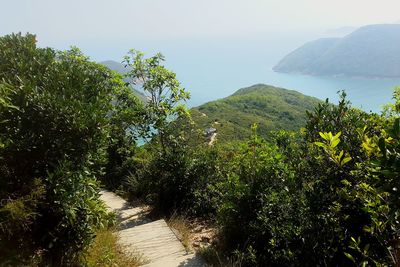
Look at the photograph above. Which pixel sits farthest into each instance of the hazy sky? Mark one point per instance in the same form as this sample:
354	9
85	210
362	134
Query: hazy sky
101	19
214	46
62	23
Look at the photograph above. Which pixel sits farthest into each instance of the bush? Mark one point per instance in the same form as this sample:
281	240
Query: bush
262	209
183	178
280	194
56	123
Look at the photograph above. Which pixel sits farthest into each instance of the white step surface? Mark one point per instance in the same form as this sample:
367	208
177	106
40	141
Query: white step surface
153	239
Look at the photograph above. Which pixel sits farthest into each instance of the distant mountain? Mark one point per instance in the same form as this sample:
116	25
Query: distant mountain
116	66
121	69
370	51
340	32
272	108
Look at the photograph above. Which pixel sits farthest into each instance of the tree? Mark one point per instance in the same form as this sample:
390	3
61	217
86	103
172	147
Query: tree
54	149
163	92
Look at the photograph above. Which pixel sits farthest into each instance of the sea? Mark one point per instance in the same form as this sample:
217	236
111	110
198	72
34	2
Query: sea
214	68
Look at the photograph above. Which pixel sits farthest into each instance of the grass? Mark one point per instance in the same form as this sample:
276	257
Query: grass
181	229
105	251
214	258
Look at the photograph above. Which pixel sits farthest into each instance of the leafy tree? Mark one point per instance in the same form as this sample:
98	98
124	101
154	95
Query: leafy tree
162	90
127	128
164	176
54	147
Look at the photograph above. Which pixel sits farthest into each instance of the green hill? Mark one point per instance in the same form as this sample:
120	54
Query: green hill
370	51
270	107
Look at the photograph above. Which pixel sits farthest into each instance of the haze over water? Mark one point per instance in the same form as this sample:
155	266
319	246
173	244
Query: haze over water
214	76
213	69
215	47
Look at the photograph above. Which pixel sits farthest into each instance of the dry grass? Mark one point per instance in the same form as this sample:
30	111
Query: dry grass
215	258
181	228
105	251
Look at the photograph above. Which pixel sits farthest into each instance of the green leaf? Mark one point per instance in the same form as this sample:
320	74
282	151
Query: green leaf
320	144
345	160
349	256
335	142
337	135
324	135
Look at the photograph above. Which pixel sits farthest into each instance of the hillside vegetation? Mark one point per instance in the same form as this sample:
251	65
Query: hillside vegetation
67	124
371	51
325	195
271	108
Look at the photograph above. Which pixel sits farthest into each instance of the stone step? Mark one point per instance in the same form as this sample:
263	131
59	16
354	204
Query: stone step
153	239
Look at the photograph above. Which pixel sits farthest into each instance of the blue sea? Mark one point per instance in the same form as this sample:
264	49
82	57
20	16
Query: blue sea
214	68
366	94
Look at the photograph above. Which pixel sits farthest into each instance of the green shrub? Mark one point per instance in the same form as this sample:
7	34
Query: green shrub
262	209
56	117
183	178
279	194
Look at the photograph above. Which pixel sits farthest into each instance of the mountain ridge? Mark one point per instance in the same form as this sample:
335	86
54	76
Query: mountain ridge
370	51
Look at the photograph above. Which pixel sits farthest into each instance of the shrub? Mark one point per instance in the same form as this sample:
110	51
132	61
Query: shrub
280	193
262	209
55	130
184	178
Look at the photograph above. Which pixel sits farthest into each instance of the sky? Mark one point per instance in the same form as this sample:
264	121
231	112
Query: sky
95	25
214	46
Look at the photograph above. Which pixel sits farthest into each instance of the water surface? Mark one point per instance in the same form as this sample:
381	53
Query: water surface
215	68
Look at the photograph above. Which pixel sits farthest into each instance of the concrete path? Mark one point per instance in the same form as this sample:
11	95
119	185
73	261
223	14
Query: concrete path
212	139
153	239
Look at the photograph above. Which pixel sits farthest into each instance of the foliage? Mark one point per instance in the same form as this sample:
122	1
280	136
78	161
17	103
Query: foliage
123	70
57	112
270	107
183	178
278	194
326	195
261	209
377	191
162	89
271	197
170	174
329	146
127	127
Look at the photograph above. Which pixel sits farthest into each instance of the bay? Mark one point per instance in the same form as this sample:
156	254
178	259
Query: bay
213	68
365	93
210	80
